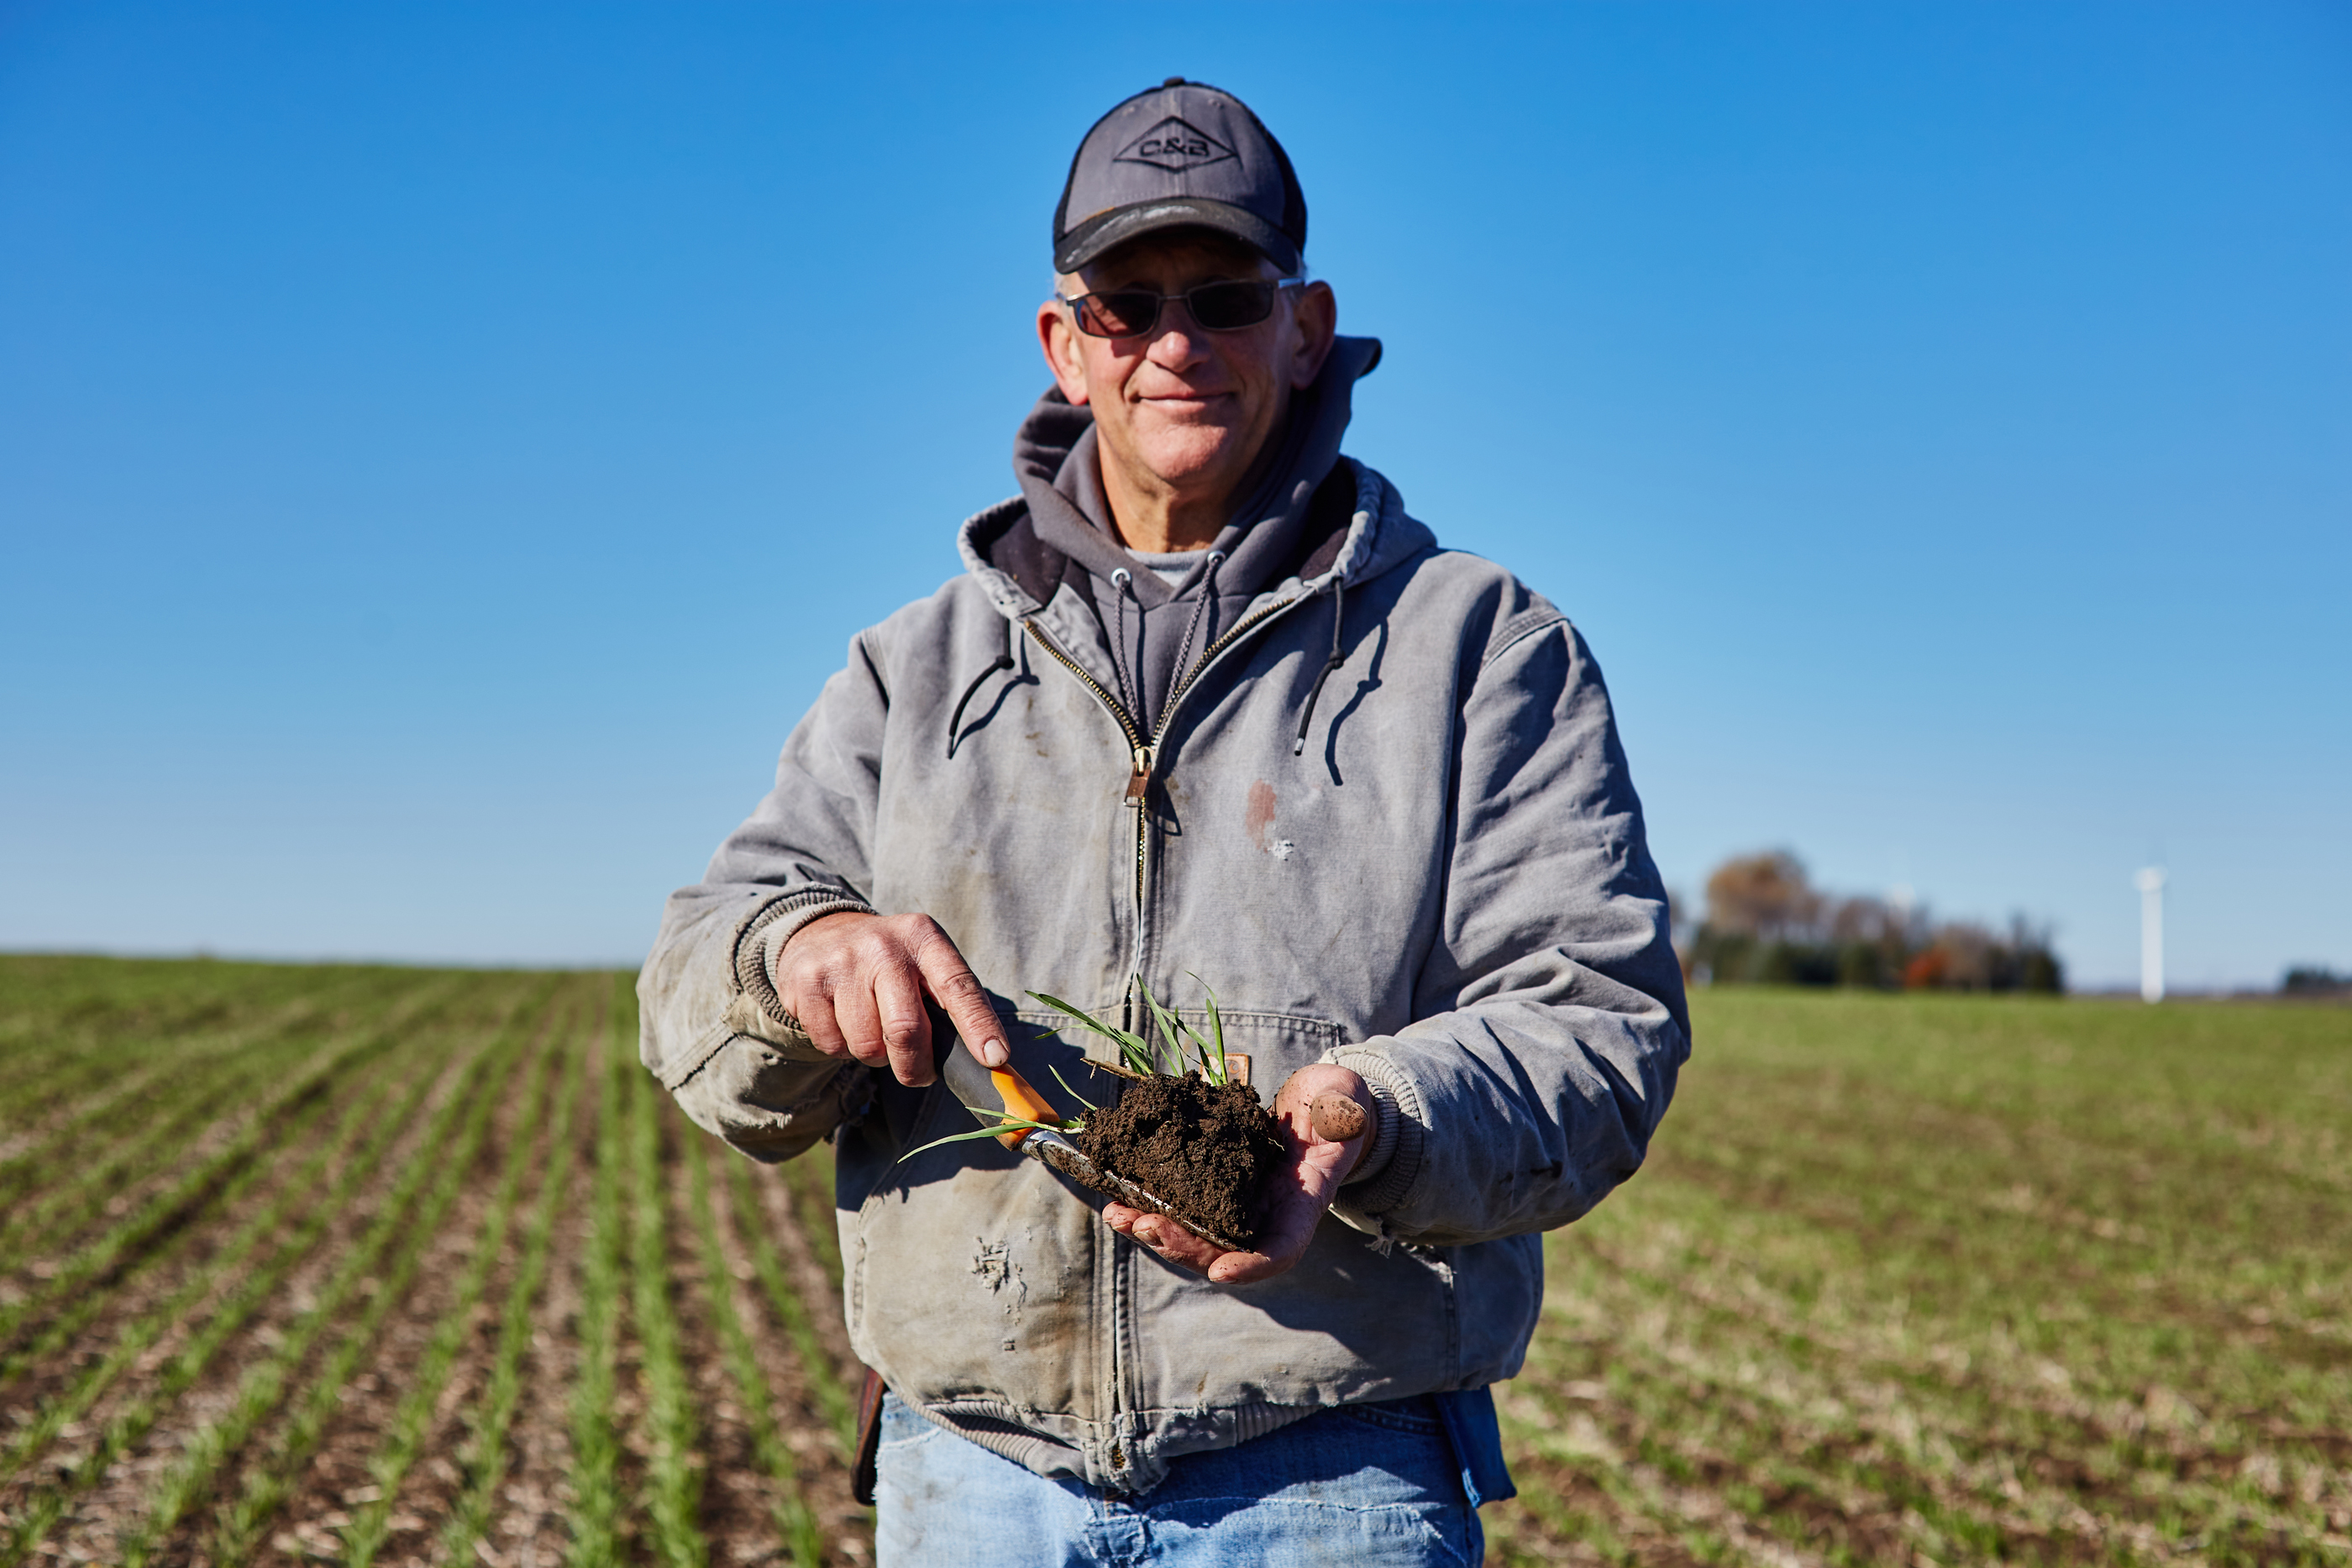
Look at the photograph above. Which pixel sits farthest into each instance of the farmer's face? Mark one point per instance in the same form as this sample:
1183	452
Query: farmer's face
1185	411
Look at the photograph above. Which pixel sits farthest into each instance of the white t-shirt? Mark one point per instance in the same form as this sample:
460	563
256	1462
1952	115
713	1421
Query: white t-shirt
1171	569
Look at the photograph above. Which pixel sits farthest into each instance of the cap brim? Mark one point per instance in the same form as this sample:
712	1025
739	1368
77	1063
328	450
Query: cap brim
1107	231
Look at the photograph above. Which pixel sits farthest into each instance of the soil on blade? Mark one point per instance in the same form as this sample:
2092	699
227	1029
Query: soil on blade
1202	1149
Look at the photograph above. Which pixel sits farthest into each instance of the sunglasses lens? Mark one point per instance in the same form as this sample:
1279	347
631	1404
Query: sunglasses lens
1222	307
1124	314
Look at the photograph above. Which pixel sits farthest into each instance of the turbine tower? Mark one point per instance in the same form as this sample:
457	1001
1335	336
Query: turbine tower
2150	883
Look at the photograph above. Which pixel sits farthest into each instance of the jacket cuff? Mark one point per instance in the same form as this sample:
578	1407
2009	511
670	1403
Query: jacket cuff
1385	1174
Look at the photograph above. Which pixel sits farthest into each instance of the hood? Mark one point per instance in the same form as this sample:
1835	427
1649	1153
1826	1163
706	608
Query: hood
1056	462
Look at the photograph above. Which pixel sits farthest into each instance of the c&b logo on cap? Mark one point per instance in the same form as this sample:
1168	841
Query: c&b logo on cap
1175	145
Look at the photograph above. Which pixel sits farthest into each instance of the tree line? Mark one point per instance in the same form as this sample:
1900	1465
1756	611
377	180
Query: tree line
1766	923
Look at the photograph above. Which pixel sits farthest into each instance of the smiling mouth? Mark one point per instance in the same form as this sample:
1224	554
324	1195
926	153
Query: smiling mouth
1195	400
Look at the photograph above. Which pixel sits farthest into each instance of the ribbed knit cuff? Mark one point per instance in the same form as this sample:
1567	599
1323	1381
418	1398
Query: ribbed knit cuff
1385	1174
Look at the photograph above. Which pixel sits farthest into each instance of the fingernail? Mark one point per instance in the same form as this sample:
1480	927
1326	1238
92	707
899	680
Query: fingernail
994	1054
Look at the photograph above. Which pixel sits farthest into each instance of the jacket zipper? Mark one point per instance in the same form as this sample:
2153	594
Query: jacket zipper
1143	755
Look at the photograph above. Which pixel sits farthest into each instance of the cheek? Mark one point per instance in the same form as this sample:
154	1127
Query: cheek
1106	372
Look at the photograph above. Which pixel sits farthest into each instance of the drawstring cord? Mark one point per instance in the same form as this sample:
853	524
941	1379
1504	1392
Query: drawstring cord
1208	598
1124	581
1338	613
955	720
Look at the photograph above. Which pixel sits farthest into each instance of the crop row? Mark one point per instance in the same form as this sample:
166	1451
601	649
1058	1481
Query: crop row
374	1260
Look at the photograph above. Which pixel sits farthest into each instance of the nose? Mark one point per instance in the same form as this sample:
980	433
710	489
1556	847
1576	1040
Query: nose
1177	340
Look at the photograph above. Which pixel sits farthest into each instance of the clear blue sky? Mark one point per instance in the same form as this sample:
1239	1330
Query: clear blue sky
443	448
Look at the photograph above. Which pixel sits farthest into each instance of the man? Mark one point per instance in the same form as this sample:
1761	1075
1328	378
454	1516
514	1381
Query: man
1205	702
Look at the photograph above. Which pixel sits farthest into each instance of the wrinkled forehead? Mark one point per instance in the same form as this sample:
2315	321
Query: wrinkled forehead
1172	260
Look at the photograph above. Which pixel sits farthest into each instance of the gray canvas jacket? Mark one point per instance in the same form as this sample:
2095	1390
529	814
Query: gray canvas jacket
1444	887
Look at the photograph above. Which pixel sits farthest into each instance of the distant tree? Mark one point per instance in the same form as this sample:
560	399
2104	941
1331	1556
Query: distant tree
2315	980
1767	925
1766	895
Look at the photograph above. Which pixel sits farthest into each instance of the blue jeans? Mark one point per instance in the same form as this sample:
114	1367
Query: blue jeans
1368	1486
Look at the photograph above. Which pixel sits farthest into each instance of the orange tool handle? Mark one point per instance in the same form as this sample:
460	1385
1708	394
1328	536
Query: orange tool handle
994	1090
1021	1101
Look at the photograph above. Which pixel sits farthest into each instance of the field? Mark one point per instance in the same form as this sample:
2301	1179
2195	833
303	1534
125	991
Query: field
398	1266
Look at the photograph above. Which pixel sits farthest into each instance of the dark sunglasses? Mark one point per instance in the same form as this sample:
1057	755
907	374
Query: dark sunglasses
1215	307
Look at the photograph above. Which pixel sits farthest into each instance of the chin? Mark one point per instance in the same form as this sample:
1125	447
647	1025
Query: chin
1184	456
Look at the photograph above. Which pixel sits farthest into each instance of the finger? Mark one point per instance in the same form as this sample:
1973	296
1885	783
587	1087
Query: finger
1289	1226
1336	1118
957	990
1280	1245
906	1026
1319	1171
1163	1235
811	1007
1175	1243
1244	1268
860	1025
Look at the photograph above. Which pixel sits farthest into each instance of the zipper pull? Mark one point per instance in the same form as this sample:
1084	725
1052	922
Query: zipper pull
1139	781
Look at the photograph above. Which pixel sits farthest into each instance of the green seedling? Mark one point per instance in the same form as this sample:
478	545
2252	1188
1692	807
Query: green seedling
1140	1056
1070	1092
1006	1122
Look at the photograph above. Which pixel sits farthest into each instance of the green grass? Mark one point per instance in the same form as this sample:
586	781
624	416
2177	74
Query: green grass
1965	1280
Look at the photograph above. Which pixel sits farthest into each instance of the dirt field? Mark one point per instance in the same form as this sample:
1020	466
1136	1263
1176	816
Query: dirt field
409	1267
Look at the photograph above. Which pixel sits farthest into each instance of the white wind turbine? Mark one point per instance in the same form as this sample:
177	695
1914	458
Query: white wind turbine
2150	883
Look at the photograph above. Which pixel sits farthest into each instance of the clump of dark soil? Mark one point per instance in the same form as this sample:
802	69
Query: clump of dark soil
1202	1149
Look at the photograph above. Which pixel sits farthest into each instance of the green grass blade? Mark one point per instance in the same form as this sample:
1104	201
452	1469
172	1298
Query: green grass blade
1070	1092
1172	1033
1131	1047
1006	1126
1216	1031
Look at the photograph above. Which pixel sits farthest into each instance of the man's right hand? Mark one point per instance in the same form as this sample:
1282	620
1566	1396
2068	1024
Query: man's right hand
857	984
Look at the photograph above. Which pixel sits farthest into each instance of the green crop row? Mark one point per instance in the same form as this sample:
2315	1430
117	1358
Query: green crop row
140	1151
1960	1279
168	1213
393	1245
481	1458
248	1293
364	1536
672	1493
296	1212
597	1499
793	1517
816	1361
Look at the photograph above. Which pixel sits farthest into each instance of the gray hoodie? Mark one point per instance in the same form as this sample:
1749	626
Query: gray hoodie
1154	625
1385	814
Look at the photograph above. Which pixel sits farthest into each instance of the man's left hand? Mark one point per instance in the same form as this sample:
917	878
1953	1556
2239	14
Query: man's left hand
1297	1194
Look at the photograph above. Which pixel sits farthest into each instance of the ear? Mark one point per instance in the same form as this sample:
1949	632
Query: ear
1060	340
1315	318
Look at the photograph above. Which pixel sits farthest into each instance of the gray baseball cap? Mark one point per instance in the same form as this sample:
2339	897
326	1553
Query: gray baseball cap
1180	155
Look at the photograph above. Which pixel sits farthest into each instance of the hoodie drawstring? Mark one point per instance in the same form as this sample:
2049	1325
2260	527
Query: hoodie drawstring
1124	581
1338	613
955	719
1208	598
